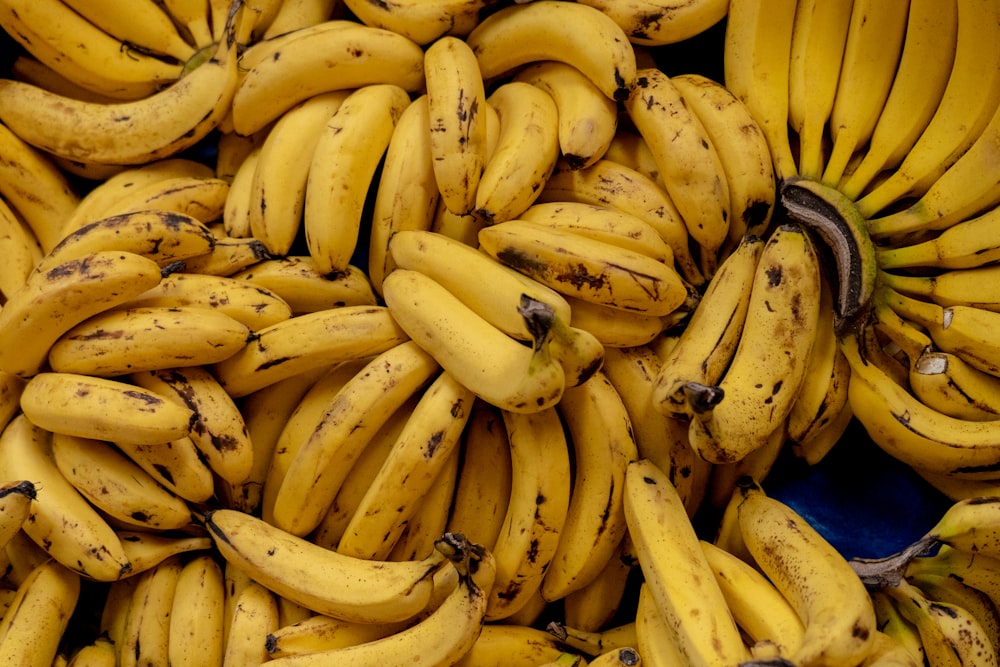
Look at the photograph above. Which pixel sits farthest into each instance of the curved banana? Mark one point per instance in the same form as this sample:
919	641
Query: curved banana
297	14
195	633
603	445
236	206
343	166
967	103
539	501
127	340
352	417
430	518
757	58
15	507
322	633
320	579
255	615
61	520
742	149
924	66
219	430
950	385
617	186
351	57
39	615
306	341
103	409
975	603
614	327
819	583
587	118
498	368
756	392
689	163
177	465
971	287
681	583
298	283
655	637
707	343
660	22
202	198
870	57
23	253
157	126
415	461
117	485
964	245
595	605
424	21
145	637
143	25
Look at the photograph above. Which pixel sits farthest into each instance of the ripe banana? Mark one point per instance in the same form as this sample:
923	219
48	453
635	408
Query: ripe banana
603	445
255	615
655	637
756	392
951	385
322	633
496	367
103	409
424	21
295	279
133	132
585	268
689	163
297	14
145	636
39	615
23	251
456	110
660	22
144	25
203	198
236	207
61	520
195	633
430	518
414	463
146	550
348	423
707	343
306	341
595	605
829	597
177	465
116	485
341	173
218	430
680	580
350	57
587	118
15	507
966	244
539	502
613	327
320	579
756	63
970	287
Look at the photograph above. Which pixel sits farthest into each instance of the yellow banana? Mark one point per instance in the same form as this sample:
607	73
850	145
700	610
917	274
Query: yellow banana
146	550
39	615
236	205
430	519
322	633
970	287
254	617
202	198
660	22
595	605
655	638
195	634
950	385
177	465
15	507
964	245
144	25
297	14
614	327
629	149
925	614
423	21
145	637
296	281
22	250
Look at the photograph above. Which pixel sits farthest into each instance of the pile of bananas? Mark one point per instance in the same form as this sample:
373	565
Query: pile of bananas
626	294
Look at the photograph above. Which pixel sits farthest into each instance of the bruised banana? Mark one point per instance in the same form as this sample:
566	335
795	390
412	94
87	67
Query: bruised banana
296	280
424	21
39	615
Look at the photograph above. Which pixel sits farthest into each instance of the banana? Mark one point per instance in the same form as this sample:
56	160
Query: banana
676	571
417	458
177	465
757	390
22	249
100	652
132	340
525	33
195	632
296	281
145	637
29	69
595	605
756	66
456	119
818	38
297	14
964	245
114	611
966	105
341	173
352	417
709	340
661	22
116	485
307	341
963	633
39	615
146	550
323	633
494	366
629	149
202	198
426	22
829	597
976	603
61	520
950	385
254	617
896	626
218	430
231	149
323	61
742	149
870	58
143	25
969	526
511	644
614	185
278	183
539	502
756	465
103	409
970	287
237	204
320	579
656	639
15	507
526	152
758	607
35	188
430	519
614	327
603	445
924	66
956	488
585	268
587	118
52	32
483	488
130	132
689	163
